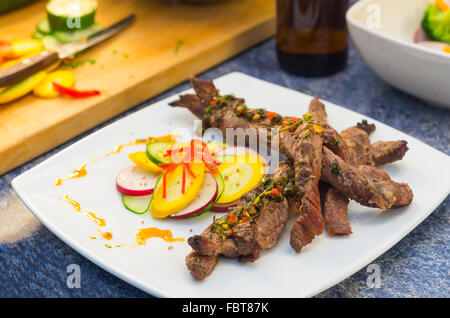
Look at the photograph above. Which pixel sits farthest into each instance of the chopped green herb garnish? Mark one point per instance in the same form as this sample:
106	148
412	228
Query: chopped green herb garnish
179	44
335	168
74	64
77	64
306	133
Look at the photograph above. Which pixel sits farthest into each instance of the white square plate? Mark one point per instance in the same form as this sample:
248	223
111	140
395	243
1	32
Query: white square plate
279	272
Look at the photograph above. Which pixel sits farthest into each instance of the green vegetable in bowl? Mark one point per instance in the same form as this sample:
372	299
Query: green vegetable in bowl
436	23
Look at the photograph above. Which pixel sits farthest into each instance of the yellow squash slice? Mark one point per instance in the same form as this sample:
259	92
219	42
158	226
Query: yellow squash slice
46	89
140	158
176	200
22	88
241	174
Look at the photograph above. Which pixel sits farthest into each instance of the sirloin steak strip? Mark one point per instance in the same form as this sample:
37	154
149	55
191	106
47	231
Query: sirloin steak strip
261	219
334	203
307	166
335	213
384	152
352	183
200	266
361	153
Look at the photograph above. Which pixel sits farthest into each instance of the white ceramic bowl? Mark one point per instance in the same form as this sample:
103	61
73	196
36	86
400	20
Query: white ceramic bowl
383	32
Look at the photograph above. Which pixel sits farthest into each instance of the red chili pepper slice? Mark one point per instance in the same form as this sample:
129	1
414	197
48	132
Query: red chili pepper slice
275	192
190	171
73	92
183	182
271	115
191	153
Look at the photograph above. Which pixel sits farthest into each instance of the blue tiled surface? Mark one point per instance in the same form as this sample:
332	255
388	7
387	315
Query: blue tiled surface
418	266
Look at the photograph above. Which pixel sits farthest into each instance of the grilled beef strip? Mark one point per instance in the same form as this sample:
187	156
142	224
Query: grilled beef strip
334	203
307	167
335	213
335	206
357	150
378	153
364	125
266	216
383	152
348	180
317	111
200	266
373	173
358	140
336	143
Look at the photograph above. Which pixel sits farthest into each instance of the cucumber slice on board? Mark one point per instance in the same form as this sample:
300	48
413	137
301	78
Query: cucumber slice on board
137	204
69	37
71	15
157	150
51	43
43	26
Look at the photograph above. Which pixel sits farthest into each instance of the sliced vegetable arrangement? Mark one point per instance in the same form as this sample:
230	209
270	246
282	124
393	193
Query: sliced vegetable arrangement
67	21
187	179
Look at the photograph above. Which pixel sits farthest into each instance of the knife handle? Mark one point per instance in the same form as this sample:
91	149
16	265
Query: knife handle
27	67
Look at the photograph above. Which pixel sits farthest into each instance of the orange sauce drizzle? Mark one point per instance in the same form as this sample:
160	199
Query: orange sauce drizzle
105	235
76	205
77	173
143	234
94	159
93	217
82	172
142	142
100	222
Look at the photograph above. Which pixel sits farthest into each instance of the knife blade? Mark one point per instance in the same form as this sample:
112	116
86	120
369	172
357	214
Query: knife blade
40	61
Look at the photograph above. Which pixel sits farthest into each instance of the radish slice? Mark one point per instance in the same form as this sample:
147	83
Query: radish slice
135	204
223	207
206	196
135	181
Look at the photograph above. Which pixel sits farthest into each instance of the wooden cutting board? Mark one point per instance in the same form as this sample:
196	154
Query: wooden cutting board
135	65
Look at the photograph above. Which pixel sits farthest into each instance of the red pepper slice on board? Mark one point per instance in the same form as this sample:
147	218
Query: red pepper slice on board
73	92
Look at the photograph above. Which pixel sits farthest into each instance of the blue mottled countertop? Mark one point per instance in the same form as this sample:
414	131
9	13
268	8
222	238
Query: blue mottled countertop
417	266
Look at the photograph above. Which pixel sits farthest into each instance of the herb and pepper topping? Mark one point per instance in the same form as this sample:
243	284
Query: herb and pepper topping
217	103
268	189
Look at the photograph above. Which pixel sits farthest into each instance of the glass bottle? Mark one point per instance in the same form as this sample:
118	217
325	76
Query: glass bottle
312	36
